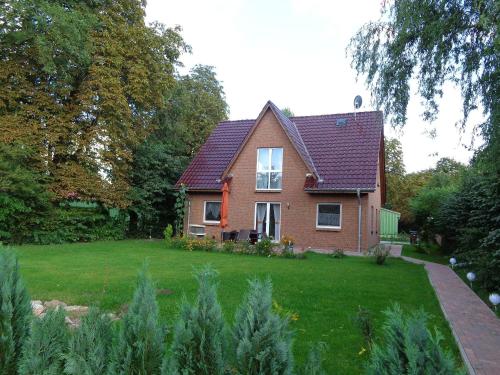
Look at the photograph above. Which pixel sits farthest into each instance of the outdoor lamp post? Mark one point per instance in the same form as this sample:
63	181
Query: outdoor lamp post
471	276
494	299
453	261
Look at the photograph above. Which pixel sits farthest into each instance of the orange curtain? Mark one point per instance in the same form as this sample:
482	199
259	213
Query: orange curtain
224	205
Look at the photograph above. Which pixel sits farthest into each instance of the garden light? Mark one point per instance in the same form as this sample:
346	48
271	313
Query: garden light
471	276
453	261
495	299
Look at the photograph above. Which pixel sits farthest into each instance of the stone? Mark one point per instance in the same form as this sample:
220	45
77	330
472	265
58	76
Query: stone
54	304
76	311
37	308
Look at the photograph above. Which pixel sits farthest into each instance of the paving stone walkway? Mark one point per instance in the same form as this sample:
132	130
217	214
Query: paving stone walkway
474	325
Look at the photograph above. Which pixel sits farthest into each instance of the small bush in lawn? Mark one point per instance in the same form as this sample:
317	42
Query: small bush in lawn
409	347
44	350
90	345
141	340
337	254
228	246
15	314
364	321
179	242
168	233
262	340
199	335
380	254
264	247
314	362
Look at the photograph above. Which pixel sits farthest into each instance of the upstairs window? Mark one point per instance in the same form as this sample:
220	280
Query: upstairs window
269	168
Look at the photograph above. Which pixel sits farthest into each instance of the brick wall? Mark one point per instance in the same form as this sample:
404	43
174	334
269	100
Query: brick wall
298	208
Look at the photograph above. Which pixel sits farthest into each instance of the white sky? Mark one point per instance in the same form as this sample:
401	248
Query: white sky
293	53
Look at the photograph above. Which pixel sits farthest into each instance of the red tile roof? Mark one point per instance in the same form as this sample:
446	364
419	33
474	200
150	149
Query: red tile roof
341	149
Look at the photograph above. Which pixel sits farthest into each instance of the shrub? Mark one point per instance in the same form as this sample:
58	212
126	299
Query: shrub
15	313
245	247
265	247
262	340
229	246
380	254
44	350
199	335
314	362
337	254
364	321
409	347
179	242
89	347
141	340
167	234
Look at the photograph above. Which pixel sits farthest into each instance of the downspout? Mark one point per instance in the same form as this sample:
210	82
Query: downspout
186	234
358	192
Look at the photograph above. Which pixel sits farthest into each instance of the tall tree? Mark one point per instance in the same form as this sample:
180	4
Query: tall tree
194	107
82	82
433	41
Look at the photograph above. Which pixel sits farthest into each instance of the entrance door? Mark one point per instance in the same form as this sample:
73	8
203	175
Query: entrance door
268	219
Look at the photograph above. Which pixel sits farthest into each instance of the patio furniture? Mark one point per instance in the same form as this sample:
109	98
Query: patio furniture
243	235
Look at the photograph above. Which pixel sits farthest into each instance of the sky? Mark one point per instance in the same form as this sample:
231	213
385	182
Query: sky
293	53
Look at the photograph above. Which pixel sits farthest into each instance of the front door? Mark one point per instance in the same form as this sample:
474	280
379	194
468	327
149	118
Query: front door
268	219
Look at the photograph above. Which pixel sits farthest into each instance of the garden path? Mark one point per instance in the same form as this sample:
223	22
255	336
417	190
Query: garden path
475	327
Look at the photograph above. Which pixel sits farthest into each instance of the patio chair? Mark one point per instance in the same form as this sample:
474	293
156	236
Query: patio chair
243	235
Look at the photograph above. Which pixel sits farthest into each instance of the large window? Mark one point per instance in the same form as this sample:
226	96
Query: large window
269	168
268	219
211	212
329	215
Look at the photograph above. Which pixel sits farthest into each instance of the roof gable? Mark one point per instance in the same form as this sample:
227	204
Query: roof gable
291	132
342	150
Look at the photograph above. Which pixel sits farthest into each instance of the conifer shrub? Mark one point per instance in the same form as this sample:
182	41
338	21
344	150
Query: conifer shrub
409	347
15	314
314	361
90	345
141	340
44	351
262	341
200	333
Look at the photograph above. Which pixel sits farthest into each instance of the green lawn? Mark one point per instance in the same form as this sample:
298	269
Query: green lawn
436	257
325	292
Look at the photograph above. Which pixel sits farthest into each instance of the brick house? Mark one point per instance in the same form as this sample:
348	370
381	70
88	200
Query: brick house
319	179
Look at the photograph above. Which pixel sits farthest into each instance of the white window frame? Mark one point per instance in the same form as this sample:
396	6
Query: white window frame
328	226
205	211
269	171
268	215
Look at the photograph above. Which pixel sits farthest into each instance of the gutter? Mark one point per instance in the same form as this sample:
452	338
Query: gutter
358	193
348	190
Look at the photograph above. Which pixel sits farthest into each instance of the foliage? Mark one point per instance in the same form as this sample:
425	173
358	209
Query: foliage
199	335
409	347
379	253
365	323
167	234
262	340
15	314
44	350
229	246
90	346
200	244
287	240
82	84
337	254
194	107
288	112
23	196
314	362
141	340
432	42
265	247
469	221
180	208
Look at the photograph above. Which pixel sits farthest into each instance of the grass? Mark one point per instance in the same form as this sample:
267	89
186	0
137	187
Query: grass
324	292
433	256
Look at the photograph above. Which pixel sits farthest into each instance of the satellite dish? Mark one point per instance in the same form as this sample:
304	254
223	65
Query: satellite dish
358	100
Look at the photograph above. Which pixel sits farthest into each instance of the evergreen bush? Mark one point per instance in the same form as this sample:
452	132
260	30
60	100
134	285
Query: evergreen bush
199	335
15	313
90	345
409	348
262	339
141	339
314	362
43	352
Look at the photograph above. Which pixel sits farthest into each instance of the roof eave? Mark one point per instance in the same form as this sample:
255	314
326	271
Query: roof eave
340	190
